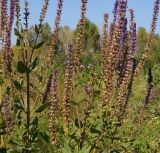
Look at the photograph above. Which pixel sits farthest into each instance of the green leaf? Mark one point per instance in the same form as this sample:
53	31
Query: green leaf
18	104
1	81
42	107
8	89
21	67
40	29
94	130
66	148
36	29
2	125
17	85
18	42
16	32
35	121
31	85
14	144
39	45
74	103
31	43
86	149
77	123
34	64
34	136
44	136
96	93
114	150
19	118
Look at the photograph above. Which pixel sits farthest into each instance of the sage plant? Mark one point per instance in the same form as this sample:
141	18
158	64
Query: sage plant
88	110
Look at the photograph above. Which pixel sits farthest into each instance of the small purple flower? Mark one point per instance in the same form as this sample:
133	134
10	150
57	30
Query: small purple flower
86	89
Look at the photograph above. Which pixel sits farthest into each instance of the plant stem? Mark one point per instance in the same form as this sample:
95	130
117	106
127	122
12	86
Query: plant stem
28	111
34	47
28	104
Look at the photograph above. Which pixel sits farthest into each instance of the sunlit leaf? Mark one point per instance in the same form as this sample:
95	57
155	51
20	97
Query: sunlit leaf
21	67
34	64
42	107
40	44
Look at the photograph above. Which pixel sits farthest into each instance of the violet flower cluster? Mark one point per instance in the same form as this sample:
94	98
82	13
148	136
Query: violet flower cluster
53	109
54	38
8	119
7	49
68	85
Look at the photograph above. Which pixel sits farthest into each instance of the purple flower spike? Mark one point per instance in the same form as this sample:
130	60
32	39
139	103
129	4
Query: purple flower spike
155	16
116	10
8	51
134	39
149	88
7	116
68	85
11	18
124	30
53	109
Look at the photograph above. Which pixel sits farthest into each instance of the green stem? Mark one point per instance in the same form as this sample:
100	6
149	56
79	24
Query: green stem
28	111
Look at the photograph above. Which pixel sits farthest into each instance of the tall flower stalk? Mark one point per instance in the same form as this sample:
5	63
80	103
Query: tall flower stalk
17	12
149	88
122	55
53	109
7	48
116	11
128	67
150	37
114	47
27	59
54	38
48	88
8	119
0	19
104	55
80	38
78	49
68	86
44	11
41	19
3	15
